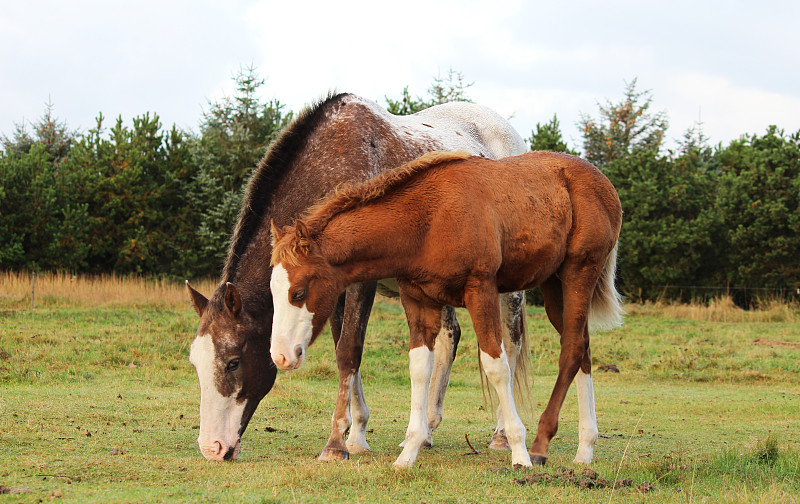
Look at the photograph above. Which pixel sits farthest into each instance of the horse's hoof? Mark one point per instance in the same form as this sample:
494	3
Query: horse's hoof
499	442
539	460
334	454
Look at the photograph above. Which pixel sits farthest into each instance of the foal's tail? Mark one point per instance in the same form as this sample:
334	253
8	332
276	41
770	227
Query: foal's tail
606	310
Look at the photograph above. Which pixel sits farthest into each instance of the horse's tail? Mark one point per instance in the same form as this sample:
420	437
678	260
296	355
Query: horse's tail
606	309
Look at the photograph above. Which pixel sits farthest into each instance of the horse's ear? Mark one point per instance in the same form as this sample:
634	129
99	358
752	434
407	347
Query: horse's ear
233	302
301	232
275	233
199	301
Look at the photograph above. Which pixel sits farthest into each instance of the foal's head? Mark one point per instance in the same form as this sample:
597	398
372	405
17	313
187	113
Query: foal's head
304	292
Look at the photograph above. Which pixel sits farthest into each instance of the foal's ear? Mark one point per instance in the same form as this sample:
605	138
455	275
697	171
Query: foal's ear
301	232
232	300
275	233
199	301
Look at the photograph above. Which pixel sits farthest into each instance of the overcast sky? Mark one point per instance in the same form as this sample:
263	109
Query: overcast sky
733	65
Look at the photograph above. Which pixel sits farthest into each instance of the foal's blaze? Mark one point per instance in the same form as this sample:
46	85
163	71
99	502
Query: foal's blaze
303	299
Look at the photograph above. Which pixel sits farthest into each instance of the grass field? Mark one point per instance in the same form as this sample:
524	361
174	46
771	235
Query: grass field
98	403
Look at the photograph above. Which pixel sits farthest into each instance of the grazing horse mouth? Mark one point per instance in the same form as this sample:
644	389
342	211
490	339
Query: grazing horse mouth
218	453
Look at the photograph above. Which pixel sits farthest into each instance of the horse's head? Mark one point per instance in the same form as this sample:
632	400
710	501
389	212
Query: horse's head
304	293
229	353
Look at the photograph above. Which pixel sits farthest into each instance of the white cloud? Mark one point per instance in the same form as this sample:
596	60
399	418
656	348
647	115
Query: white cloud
728	110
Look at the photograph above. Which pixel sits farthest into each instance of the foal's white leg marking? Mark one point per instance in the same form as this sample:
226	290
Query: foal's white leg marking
420	363
498	374
291	326
587	423
357	440
220	416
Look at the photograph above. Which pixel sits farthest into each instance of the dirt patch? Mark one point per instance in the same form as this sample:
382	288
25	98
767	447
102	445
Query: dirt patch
14	490
774	343
586	478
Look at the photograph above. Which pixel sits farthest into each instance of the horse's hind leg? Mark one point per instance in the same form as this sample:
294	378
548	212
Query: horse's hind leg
568	310
512	313
349	326
444	352
587	423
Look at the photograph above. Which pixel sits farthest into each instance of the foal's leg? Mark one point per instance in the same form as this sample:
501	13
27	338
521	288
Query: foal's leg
424	322
568	311
349	326
483	306
512	311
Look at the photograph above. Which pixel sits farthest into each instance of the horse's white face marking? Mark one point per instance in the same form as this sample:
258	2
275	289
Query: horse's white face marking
291	326
220	416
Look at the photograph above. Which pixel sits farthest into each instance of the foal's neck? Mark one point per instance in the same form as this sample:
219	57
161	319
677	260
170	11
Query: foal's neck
370	243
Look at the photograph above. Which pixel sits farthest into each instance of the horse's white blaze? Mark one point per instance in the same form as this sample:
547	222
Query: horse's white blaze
587	423
420	365
220	416
291	326
499	375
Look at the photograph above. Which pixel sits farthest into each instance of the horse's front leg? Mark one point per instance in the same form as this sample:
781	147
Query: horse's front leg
424	321
348	326
482	303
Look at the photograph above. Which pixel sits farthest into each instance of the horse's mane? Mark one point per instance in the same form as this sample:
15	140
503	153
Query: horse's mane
349	196
273	166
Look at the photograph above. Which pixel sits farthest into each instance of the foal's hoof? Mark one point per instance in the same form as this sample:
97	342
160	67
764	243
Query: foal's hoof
539	460
334	454
499	442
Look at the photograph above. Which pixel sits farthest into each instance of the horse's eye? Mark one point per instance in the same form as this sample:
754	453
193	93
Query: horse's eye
299	295
233	365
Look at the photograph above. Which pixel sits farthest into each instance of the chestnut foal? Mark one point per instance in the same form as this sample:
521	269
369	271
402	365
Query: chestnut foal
457	230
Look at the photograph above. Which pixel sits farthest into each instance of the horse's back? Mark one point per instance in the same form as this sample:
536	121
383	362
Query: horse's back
467	126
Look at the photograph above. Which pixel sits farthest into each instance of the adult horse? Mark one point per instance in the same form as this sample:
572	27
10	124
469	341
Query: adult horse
456	230
341	139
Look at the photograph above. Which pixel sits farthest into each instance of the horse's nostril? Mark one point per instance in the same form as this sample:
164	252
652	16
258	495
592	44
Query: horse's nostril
229	454
298	351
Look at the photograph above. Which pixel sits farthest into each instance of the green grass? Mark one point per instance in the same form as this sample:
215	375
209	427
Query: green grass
100	404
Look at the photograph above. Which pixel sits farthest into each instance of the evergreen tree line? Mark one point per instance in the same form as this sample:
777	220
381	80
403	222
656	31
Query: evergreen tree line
142	199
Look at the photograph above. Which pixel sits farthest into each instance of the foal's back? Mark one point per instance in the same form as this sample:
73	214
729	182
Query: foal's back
520	216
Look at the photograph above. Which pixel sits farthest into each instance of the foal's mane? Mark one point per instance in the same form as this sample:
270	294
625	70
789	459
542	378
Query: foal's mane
273	166
349	196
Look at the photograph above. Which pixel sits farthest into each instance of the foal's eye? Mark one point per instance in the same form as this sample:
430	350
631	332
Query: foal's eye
299	295
233	365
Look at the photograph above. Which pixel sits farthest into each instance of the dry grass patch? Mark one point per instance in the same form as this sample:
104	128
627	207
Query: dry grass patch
66	289
721	309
